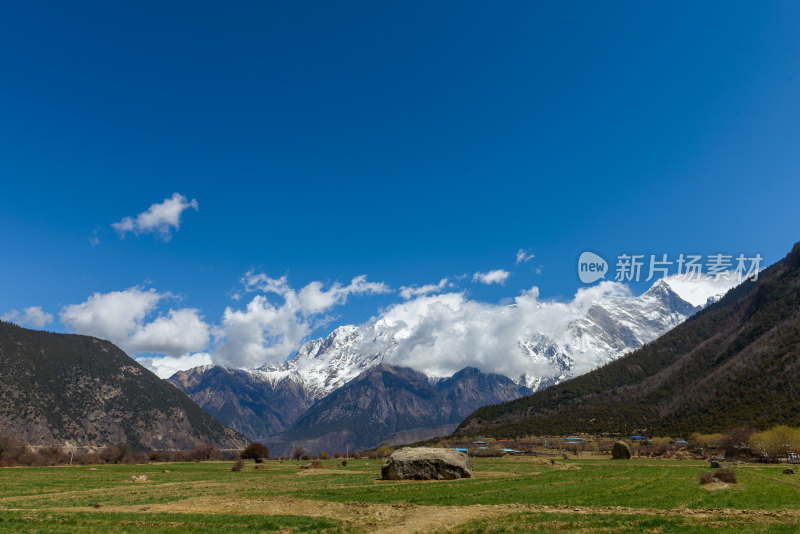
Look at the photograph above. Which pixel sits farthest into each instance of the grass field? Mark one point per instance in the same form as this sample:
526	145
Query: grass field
507	495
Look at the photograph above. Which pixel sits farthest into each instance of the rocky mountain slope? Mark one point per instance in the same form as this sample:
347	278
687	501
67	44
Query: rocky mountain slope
60	387
394	404
736	362
246	401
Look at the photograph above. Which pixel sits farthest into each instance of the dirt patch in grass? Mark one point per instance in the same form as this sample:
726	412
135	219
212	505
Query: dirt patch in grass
403	517
327	471
716	486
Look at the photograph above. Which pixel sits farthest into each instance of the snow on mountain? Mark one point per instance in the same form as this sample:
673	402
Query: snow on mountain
536	343
702	291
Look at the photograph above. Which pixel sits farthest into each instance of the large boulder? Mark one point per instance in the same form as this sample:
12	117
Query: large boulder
621	451
426	463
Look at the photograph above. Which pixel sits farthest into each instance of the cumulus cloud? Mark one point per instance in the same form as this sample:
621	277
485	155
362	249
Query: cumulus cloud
177	332
121	317
497	276
31	316
697	289
408	292
266	331
166	366
441	334
159	218
523	256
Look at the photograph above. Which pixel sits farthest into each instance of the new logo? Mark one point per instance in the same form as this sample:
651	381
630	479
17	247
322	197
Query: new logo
591	267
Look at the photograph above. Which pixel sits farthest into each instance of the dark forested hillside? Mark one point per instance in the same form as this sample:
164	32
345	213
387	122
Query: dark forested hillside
61	387
736	362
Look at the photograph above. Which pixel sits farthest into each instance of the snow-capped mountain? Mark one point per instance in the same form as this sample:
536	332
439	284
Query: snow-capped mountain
595	333
534	343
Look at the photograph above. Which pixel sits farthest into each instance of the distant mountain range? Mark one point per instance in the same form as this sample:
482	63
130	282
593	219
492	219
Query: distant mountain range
395	405
736	362
59	388
347	391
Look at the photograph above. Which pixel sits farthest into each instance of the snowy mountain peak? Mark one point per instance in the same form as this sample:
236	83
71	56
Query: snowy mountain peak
553	342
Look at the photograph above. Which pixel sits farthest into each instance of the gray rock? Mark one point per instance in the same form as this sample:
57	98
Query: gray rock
621	451
426	463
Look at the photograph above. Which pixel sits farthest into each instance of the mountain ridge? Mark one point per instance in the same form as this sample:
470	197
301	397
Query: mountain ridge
735	362
67	387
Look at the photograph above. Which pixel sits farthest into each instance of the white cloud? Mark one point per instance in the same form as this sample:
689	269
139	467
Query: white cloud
408	292
697	290
497	276
120	317
31	316
441	334
178	332
166	366
160	218
265	331
523	256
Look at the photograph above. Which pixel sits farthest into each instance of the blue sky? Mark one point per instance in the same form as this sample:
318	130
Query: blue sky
407	143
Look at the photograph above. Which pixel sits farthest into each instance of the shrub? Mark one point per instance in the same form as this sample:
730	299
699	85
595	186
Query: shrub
726	475
323	455
721	475
237	466
180	456
203	453
316	464
383	452
707	478
53	455
344	463
112	454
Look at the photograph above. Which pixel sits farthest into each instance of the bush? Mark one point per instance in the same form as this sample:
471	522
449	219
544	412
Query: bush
115	454
383	452
237	466
726	475
204	453
344	463
722	475
180	456
323	455
707	478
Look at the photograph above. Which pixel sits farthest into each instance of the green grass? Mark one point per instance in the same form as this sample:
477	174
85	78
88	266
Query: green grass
62	499
82	522
619	523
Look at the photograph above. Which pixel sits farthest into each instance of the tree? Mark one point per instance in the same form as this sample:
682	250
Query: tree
255	451
383	452
298	452
776	442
